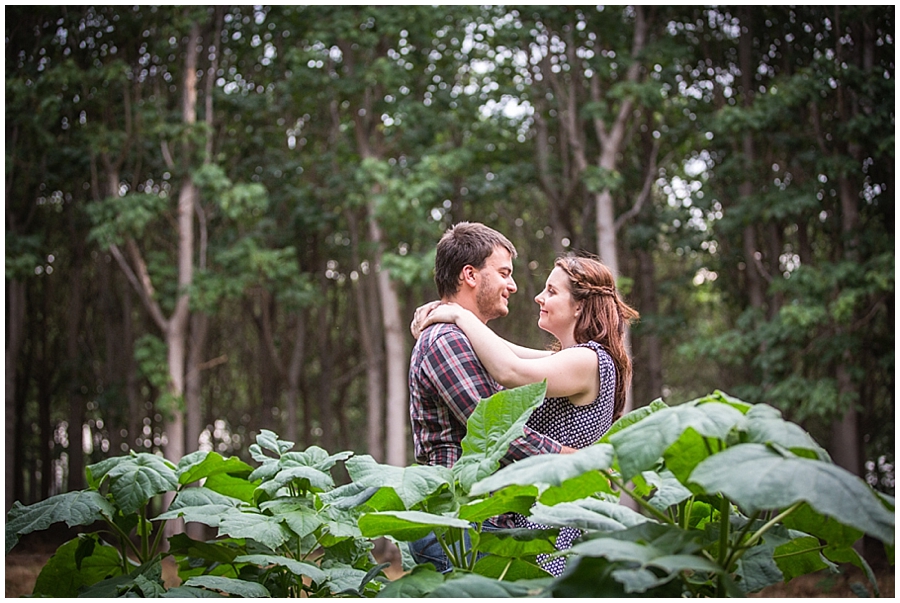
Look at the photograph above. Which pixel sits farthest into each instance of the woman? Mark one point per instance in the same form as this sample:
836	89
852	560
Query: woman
588	372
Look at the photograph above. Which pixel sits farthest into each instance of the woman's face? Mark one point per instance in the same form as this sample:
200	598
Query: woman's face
557	306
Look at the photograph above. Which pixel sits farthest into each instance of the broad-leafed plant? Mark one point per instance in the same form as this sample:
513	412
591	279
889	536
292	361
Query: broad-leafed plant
731	498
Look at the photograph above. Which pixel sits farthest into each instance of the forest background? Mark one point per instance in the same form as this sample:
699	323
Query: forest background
220	219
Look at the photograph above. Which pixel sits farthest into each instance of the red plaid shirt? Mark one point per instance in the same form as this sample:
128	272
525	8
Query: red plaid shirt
446	382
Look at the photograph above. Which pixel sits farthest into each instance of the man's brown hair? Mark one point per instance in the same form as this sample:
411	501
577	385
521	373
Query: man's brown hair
465	244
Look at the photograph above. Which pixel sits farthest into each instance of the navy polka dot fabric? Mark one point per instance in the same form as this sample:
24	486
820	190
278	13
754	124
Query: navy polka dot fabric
578	427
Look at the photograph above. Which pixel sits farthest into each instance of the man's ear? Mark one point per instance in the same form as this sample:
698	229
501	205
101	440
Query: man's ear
467	276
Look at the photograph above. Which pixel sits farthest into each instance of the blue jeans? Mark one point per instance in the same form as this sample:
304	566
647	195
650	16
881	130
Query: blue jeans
428	549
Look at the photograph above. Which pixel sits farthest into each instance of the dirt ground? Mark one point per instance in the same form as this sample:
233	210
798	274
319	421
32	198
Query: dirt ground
24	563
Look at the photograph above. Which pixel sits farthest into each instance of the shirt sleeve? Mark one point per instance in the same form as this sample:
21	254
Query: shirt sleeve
462	381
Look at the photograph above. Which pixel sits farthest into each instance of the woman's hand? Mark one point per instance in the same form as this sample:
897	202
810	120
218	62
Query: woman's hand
447	312
417	324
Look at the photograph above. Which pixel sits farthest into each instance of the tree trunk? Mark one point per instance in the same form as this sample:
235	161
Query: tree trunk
397	362
326	377
15	331
371	351
76	399
650	343
176	333
193	382
294	373
752	259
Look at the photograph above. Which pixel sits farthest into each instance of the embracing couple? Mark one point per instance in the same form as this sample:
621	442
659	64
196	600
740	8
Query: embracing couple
458	360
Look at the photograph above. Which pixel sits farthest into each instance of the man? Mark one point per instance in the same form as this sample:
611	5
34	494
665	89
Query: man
473	268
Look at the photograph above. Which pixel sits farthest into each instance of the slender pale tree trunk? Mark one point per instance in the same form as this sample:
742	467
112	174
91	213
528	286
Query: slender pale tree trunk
397	363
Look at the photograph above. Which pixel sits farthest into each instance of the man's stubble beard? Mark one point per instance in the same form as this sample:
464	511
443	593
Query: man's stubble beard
489	304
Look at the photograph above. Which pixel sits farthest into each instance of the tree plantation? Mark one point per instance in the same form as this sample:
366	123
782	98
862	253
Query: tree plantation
220	220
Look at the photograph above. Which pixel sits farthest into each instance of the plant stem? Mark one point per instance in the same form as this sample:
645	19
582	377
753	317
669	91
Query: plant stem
640	501
123	537
145	537
812	550
451	556
751	542
738	542
724	525
505	569
159	534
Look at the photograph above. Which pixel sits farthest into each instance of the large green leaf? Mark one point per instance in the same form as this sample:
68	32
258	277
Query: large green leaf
655	554
63	576
547	469
763	424
492	427
640	445
200	505
587	514
264	529
411	485
516	499
474	586
304	478
406	525
667	490
757	569
342	578
229	485
418	583
134	479
230	586
511	568
635	416
75	508
517	542
199	465
757	477
298	568
216	552
297	513
799	557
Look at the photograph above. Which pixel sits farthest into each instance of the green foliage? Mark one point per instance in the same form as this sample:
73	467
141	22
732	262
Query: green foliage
733	499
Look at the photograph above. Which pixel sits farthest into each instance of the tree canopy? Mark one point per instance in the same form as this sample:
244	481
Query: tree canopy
219	220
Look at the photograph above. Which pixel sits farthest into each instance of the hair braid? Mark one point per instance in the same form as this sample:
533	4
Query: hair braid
604	316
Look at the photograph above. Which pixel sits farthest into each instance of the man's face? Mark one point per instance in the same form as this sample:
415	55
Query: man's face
495	285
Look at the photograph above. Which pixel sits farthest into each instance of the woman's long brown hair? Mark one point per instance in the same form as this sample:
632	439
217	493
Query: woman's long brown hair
603	316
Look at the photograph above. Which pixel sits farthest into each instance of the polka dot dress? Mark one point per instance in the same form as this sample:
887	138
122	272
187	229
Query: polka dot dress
577	427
